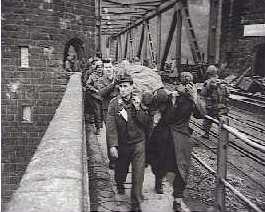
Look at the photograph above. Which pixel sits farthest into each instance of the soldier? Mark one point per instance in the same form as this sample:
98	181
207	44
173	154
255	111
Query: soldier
108	91
126	122
93	96
216	96
108	88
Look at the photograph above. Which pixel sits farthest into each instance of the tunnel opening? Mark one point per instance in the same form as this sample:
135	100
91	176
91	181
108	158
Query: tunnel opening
74	47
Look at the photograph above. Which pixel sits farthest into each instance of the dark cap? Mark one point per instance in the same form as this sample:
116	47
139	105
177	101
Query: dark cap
125	78
161	96
147	98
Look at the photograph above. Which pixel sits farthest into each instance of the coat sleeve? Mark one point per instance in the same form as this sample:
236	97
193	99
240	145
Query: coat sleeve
178	114
107	90
111	127
90	84
144	118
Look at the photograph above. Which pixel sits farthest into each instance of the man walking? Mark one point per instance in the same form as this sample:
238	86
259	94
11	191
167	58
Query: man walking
216	96
125	126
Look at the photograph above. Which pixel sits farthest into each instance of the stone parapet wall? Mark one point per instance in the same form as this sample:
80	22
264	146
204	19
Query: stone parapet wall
53	180
46	28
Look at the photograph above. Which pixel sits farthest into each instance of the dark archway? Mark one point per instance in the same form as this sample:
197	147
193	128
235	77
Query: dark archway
260	60
78	46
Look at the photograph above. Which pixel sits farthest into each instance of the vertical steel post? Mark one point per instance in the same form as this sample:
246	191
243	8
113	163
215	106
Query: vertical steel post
145	42
214	33
99	26
178	39
120	49
139	52
131	54
117	50
158	52
221	164
126	44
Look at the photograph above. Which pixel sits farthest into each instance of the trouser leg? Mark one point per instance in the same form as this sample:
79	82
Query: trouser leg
207	126
122	166
138	167
98	114
178	186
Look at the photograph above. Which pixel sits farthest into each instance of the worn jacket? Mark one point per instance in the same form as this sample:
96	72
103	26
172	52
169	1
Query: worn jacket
121	131
107	91
173	125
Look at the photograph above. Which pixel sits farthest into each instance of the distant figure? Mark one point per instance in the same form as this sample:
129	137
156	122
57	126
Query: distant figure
69	63
216	95
146	63
137	61
94	99
108	91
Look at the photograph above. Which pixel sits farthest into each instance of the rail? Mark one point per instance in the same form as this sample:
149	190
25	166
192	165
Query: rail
220	174
56	178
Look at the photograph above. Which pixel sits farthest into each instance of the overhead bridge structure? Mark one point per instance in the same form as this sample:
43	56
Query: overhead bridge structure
126	26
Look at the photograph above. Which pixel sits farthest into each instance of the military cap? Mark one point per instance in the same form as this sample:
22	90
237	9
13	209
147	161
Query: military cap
124	78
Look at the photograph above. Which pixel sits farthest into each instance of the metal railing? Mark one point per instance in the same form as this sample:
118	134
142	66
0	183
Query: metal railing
221	173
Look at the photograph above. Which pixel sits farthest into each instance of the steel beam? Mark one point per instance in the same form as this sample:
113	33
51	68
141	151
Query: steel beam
169	37
141	42
214	32
178	39
145	50
117	51
126	45
99	25
160	9
158	51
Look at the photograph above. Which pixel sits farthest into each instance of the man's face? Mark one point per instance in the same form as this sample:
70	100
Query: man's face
99	69
108	70
126	89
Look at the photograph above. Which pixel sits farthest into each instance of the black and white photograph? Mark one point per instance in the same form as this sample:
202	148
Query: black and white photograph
132	105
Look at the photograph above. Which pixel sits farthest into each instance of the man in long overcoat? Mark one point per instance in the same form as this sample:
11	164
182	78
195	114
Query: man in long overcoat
170	142
125	125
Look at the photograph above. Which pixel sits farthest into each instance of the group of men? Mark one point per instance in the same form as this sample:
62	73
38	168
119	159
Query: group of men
150	129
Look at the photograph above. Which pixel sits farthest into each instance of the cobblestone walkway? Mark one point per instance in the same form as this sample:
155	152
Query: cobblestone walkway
153	202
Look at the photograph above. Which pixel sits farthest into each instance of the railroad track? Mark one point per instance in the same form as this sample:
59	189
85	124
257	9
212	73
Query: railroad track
244	162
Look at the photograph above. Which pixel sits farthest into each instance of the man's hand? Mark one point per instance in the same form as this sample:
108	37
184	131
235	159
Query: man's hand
156	118
114	152
136	102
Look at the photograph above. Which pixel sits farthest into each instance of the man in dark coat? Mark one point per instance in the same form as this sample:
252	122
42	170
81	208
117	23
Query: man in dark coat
125	126
170	143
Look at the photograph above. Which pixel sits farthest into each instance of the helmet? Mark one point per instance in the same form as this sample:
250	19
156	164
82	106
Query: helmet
212	71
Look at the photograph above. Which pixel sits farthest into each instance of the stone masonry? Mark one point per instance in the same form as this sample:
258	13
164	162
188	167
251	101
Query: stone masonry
237	51
46	28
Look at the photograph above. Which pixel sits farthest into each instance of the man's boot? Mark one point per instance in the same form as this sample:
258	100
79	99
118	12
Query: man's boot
158	185
121	189
136	207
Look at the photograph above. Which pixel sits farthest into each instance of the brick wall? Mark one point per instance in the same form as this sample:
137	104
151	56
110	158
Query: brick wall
45	27
239	51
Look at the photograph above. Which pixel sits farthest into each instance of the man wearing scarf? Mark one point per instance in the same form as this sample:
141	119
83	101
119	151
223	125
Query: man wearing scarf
170	142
